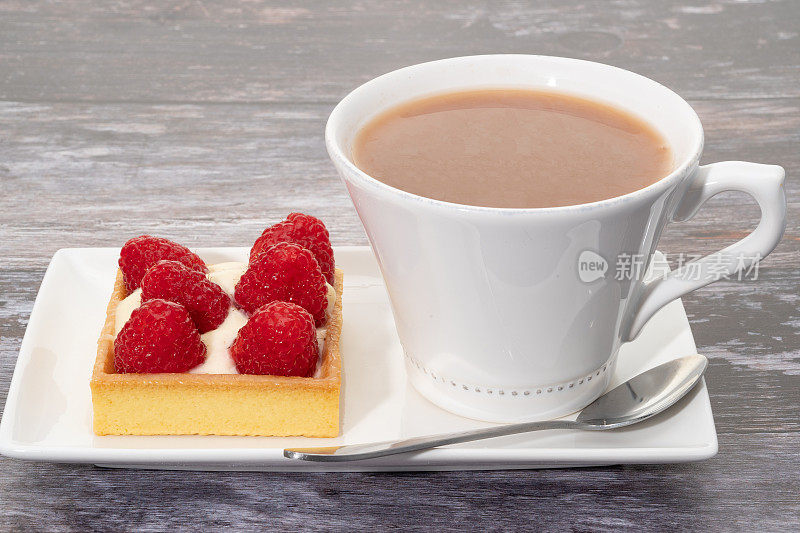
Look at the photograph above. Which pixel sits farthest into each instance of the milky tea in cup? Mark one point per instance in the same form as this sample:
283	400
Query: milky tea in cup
511	148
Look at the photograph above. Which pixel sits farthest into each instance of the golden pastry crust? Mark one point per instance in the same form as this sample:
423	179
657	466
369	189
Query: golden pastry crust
216	404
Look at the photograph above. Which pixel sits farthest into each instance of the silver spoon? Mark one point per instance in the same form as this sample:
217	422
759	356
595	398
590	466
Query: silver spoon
637	399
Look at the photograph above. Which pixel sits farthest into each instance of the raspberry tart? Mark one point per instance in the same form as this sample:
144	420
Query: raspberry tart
223	349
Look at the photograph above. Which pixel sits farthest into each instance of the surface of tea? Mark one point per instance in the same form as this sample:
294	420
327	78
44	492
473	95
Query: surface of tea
511	148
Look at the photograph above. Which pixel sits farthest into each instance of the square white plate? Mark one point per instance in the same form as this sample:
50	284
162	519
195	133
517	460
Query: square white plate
48	412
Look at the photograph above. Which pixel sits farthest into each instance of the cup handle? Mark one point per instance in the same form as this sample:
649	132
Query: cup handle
765	184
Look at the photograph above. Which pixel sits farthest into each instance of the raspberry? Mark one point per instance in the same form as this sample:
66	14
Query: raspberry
140	253
206	302
279	339
285	272
305	230
159	337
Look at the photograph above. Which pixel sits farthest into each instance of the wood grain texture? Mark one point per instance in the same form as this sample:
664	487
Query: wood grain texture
198	51
203	122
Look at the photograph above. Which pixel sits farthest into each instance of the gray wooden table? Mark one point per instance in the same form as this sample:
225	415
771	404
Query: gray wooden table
204	123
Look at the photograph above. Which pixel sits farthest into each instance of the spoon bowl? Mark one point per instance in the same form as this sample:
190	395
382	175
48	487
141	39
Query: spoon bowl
644	395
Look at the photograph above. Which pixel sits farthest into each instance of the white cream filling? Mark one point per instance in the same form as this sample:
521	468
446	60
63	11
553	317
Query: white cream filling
226	275
125	308
218	341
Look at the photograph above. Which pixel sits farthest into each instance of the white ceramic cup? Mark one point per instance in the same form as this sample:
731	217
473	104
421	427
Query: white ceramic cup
497	309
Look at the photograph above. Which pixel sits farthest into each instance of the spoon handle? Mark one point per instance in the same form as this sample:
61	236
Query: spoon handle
356	452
